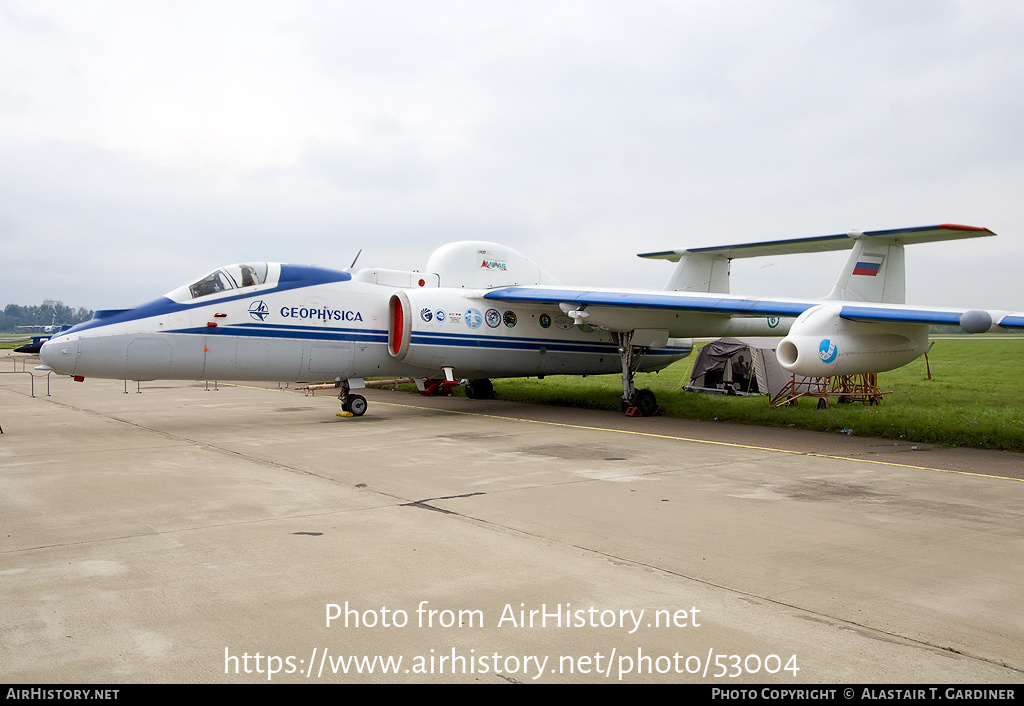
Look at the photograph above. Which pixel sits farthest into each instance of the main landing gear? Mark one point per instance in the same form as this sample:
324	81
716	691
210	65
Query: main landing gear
479	389
635	403
476	389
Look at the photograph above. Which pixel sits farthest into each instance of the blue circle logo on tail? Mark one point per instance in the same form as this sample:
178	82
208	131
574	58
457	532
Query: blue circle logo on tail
827	351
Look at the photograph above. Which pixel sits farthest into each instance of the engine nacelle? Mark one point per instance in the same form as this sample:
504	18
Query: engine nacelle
451	324
821	344
431	328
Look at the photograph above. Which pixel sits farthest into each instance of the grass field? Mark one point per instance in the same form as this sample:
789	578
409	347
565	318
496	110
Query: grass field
975	398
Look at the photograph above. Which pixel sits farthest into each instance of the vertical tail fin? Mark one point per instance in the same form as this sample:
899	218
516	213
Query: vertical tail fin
874	272
698	272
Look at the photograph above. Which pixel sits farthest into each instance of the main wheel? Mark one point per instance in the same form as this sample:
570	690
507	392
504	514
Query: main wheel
479	389
646	402
356	405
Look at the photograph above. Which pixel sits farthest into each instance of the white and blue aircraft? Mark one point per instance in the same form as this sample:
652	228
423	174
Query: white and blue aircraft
480	310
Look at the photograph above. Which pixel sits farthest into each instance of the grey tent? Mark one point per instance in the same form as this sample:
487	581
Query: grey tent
742	366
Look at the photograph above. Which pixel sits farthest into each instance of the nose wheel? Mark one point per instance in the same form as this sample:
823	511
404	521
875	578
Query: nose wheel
351	404
356	404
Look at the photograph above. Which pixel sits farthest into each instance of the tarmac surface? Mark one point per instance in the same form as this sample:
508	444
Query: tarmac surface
247	534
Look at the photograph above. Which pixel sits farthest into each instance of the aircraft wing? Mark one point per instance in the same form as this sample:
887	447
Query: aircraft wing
670	302
869	289
652	299
931	316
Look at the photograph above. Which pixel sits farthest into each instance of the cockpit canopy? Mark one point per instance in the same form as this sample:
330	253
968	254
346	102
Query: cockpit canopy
230	277
226	279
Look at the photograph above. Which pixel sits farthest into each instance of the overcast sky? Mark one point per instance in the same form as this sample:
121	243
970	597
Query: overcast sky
144	143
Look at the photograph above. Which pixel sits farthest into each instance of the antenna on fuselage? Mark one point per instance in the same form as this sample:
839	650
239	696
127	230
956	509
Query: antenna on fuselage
356	258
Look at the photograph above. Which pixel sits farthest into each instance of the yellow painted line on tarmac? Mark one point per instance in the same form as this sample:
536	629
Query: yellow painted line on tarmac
705	441
651	435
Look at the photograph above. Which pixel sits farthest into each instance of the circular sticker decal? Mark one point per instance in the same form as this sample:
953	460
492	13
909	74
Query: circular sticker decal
827	351
773	321
493	318
439	315
474	318
545	321
510	319
426	314
563	322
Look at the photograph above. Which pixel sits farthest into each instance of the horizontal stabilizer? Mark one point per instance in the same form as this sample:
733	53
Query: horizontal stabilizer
828	243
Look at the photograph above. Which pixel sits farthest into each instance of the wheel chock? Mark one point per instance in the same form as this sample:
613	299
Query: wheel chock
635	412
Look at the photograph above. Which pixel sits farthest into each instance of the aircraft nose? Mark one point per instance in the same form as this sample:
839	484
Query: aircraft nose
60	354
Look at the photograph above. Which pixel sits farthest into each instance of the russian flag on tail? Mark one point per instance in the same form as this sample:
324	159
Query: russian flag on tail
869	265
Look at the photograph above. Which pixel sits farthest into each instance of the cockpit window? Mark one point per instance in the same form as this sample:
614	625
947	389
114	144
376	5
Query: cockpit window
248	274
210	284
230	277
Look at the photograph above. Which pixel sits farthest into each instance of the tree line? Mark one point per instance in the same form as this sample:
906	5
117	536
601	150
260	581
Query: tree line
45	314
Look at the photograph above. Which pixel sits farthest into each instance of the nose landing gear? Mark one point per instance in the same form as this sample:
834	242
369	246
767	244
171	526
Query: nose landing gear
351	405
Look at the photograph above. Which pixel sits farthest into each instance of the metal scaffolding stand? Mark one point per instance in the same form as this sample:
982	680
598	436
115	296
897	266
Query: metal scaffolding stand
844	388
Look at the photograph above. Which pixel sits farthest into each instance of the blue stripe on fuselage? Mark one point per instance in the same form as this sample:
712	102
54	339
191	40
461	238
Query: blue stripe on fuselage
552	344
298	332
441	339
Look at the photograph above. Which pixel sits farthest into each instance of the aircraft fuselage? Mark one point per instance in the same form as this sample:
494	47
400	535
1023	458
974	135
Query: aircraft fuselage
302	323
